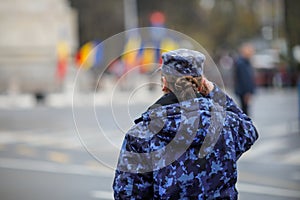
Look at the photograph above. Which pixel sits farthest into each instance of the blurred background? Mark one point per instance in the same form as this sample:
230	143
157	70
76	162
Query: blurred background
47	108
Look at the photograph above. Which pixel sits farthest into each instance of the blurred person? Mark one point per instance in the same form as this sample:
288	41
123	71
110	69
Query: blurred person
244	76
181	147
226	63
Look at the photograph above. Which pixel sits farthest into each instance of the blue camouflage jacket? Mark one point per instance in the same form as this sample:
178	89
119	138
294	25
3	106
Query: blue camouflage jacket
184	150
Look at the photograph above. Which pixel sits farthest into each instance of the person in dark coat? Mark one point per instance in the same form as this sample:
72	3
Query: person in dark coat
187	144
244	77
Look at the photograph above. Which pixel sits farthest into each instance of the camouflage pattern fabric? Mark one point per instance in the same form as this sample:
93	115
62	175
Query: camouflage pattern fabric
183	62
160	158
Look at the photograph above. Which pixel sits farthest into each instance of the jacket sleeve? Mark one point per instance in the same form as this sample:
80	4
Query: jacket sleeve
244	132
128	182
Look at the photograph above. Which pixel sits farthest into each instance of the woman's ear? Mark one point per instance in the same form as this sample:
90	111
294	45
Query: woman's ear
164	84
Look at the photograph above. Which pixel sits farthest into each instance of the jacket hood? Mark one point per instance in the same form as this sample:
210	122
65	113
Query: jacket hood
190	112
175	109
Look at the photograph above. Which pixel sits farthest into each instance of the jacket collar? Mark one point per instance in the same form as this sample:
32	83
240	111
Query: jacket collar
168	105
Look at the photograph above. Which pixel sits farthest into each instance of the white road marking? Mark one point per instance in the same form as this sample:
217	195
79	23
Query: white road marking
292	157
268	180
102	194
267	190
276	149
49	167
278	130
65	140
265	147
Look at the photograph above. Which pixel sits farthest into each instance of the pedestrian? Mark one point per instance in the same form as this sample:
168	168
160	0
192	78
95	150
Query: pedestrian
186	145
244	77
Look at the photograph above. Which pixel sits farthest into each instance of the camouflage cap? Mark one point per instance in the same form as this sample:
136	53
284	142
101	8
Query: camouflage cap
183	62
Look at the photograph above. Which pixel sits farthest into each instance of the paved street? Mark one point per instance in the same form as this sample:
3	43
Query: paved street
43	154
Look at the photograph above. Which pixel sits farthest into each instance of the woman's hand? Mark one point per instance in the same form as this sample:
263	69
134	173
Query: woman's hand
206	87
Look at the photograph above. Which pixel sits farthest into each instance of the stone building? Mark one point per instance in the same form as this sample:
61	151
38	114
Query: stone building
31	31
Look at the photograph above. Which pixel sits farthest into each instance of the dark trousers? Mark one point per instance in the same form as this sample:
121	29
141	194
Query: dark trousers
244	104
